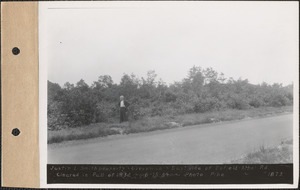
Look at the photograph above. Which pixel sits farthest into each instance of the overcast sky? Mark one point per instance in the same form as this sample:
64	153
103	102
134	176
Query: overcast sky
257	41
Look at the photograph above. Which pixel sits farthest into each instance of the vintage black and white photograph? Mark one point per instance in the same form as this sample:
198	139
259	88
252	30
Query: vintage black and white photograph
170	83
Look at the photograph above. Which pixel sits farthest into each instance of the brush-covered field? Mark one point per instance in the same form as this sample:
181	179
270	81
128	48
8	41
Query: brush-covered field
147	124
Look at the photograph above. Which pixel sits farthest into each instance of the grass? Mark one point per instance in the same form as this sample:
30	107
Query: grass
159	123
272	155
87	132
228	115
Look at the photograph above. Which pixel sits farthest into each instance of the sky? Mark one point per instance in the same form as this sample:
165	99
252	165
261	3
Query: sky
257	41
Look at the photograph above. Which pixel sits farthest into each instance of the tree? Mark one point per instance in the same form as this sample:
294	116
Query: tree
195	81
78	104
68	86
148	87
201	91
151	78
129	85
54	90
104	81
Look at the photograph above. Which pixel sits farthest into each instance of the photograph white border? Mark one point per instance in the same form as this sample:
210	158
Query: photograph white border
43	109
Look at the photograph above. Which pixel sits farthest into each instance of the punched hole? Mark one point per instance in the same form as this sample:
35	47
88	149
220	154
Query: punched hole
15	132
15	51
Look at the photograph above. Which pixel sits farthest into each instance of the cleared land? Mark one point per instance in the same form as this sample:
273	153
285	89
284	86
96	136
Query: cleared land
215	143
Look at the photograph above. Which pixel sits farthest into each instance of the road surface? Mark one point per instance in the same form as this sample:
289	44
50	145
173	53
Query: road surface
216	143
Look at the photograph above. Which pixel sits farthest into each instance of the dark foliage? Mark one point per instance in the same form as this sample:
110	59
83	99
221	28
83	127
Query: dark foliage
202	91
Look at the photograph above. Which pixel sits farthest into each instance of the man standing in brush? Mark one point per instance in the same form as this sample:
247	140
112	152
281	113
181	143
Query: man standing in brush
123	109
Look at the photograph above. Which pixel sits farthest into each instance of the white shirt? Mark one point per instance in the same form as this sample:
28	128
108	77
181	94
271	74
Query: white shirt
122	104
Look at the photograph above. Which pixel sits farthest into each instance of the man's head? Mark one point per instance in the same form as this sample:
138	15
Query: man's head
121	97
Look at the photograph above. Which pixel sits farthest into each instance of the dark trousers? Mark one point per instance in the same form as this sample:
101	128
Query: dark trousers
123	114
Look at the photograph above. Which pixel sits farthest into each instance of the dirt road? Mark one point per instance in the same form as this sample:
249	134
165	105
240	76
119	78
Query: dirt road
216	143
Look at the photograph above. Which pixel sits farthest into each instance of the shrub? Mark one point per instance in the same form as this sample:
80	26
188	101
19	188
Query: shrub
256	102
170	97
279	100
104	111
237	101
208	104
203	90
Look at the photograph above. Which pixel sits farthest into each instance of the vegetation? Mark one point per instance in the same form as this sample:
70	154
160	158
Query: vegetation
147	124
153	102
271	155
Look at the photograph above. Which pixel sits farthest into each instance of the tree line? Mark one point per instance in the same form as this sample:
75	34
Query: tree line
203	90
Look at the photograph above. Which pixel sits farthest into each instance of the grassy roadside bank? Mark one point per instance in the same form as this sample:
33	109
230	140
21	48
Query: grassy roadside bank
158	123
282	153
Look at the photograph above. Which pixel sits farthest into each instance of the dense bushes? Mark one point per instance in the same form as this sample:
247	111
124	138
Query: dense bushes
201	91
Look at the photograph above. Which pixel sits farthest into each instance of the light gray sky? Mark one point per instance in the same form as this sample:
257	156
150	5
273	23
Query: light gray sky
257	41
